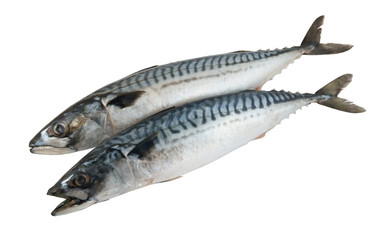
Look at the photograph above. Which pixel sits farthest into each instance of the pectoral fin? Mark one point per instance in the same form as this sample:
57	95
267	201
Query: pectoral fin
142	149
125	100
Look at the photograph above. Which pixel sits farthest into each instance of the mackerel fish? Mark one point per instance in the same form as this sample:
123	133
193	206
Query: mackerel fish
123	103
181	139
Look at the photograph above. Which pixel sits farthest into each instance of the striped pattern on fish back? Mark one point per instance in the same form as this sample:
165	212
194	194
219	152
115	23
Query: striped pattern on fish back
192	115
168	72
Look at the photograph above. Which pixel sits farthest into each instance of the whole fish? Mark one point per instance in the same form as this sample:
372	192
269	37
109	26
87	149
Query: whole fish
178	140
123	103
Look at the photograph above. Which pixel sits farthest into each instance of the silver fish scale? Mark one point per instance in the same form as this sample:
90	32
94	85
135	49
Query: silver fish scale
170	72
192	115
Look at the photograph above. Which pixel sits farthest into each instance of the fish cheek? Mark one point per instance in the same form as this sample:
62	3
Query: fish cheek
89	135
80	193
77	123
103	185
96	187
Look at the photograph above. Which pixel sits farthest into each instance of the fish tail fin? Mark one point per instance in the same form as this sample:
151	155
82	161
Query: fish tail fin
332	90
311	41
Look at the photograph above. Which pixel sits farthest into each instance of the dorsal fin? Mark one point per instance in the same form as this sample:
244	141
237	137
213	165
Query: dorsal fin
126	99
147	68
161	112
240	51
143	148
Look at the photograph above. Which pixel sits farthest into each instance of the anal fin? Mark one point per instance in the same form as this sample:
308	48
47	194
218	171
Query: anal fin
258	88
260	136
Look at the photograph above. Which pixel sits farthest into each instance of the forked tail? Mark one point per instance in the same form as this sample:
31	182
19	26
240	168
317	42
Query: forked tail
332	89
313	36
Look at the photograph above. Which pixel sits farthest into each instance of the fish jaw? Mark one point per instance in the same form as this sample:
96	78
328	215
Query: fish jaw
71	205
50	150
74	200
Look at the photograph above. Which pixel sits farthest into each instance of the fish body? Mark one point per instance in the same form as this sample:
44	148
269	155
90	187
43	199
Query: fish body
182	139
123	103
195	79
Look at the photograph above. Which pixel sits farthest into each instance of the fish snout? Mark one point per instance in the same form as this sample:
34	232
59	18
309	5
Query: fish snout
56	191
36	144
42	143
35	140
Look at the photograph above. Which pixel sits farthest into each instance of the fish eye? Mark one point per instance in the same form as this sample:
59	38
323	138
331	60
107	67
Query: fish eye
60	129
81	180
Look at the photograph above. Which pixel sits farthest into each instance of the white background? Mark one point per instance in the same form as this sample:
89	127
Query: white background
315	176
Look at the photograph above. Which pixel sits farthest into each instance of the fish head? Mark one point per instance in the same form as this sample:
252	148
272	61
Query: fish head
82	126
98	177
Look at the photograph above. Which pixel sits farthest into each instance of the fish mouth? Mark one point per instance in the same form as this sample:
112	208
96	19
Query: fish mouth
43	143
71	205
50	150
